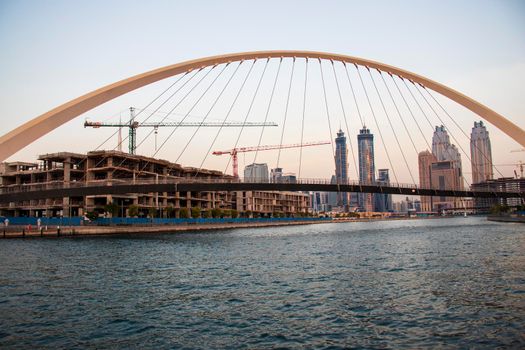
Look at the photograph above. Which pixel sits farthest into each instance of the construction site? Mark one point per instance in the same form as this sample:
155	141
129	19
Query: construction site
108	167
112	167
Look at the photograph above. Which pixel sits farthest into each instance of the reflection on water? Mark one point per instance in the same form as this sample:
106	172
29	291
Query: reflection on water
420	284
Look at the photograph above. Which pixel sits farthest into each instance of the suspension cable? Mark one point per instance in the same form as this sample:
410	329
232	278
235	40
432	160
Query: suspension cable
222	124
328	117
426	118
188	113
149	104
160	106
268	110
344	116
231	108
250	107
166	115
233	103
410	111
176	105
441	121
377	124
285	112
454	121
192	107
361	118
398	112
391	126
302	123
209	110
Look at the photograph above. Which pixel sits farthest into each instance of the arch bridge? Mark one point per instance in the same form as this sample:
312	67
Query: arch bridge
30	131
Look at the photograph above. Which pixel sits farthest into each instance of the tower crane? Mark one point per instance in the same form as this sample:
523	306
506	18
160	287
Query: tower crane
133	125
233	152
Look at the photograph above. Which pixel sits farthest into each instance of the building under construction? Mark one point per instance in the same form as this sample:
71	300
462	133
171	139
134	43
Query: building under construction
111	167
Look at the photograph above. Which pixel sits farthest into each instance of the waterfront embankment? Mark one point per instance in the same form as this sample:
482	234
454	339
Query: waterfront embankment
92	230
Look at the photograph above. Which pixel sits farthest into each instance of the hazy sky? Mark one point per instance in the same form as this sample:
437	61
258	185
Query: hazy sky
54	51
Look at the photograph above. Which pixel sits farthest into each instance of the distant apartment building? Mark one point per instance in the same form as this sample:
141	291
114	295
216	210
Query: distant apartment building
267	203
277	176
383	202
256	172
365	143
319	202
425	160
445	175
509	184
480	153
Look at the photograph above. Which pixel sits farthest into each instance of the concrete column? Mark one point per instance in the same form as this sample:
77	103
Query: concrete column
67	178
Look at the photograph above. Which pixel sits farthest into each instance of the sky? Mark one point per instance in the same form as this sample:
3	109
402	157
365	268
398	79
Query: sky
54	51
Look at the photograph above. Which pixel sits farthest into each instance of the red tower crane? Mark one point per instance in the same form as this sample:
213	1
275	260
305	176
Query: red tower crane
233	152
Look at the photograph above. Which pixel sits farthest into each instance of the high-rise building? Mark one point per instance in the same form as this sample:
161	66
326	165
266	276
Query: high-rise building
445	175
332	196
425	160
480	153
341	167
256	172
443	149
383	202
276	174
365	144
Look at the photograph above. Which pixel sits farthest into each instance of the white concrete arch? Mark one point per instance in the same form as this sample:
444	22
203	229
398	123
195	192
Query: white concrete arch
30	131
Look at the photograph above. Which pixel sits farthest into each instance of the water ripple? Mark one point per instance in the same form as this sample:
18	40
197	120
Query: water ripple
447	283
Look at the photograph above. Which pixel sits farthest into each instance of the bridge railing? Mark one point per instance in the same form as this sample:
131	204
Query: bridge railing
185	180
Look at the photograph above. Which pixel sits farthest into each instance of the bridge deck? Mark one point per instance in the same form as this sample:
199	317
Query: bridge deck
79	190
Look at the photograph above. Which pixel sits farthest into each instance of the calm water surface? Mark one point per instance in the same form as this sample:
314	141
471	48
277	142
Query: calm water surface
449	283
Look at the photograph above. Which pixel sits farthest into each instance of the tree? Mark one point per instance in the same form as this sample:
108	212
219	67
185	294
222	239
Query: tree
195	212
499	208
152	212
235	214
216	212
248	213
111	208
226	213
184	213
133	211
169	211
92	215
206	214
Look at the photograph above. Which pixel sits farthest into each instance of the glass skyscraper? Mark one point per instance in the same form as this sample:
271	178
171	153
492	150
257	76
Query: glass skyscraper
480	153
341	167
383	201
365	145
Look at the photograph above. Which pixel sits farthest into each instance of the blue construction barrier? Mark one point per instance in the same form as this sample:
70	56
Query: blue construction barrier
77	221
54	221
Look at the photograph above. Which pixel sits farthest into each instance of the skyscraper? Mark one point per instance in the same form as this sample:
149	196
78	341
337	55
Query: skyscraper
443	149
256	172
440	169
425	160
341	167
480	153
383	201
365	144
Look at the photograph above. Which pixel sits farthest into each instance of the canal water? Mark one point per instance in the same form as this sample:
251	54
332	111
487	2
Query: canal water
449	283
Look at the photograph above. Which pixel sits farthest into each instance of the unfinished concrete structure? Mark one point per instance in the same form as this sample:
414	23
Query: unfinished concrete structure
114	167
